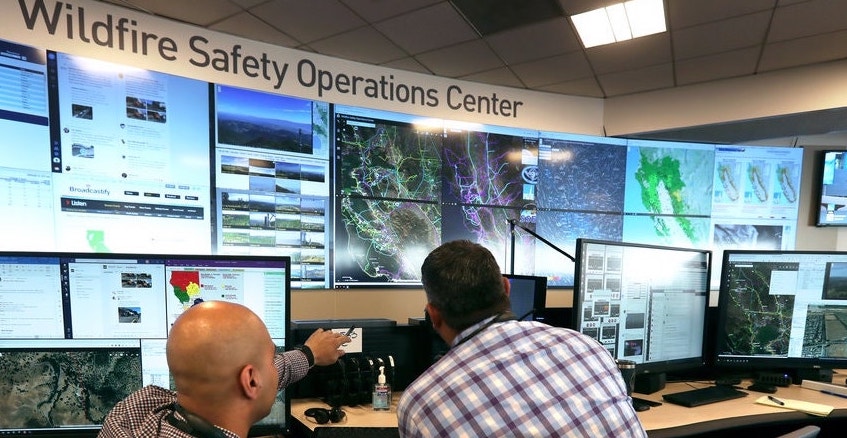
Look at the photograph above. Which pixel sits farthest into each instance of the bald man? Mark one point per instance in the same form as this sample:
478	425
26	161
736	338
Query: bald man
226	373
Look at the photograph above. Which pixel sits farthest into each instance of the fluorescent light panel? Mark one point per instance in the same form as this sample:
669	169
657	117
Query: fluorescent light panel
620	22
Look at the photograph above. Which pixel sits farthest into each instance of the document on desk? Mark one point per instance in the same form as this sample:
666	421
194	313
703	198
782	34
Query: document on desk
797	405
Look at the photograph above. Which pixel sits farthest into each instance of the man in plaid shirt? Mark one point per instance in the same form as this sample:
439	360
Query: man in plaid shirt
504	377
226	373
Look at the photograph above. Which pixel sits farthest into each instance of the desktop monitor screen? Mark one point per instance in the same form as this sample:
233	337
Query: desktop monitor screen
832	186
782	311
644	303
79	332
528	295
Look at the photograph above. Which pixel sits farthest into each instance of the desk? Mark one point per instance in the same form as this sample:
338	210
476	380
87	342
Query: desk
739	417
360	421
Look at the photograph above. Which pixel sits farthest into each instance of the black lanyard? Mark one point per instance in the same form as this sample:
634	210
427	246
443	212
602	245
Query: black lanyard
500	317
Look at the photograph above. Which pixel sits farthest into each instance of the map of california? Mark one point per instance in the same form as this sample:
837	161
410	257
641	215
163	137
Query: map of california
186	286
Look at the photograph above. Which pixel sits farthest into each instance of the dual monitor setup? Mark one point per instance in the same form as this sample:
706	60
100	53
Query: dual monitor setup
81	331
778	313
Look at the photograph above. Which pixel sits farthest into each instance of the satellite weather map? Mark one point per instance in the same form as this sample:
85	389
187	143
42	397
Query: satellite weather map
389	212
582	176
758	322
674	185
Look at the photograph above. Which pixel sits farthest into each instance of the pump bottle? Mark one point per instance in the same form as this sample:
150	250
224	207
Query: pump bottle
381	392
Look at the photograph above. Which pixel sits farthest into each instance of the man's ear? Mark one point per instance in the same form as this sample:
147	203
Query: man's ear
507	286
434	316
249	381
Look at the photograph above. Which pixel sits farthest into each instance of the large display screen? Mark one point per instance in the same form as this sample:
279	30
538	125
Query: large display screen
644	303
79	332
782	310
106	158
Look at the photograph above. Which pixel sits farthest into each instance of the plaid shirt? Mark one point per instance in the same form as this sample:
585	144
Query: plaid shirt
144	413
520	379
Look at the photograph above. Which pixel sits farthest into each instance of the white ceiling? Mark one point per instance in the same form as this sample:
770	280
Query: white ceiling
532	44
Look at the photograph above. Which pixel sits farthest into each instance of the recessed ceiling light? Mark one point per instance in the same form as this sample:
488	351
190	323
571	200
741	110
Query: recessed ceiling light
620	22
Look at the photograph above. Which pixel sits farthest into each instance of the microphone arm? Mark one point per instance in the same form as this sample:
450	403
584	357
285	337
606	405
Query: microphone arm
512	224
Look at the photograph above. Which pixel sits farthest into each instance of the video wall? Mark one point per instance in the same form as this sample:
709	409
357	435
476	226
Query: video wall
100	157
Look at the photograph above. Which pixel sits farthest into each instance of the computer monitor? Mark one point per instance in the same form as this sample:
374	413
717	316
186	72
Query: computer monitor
831	186
783	312
528	295
643	303
81	331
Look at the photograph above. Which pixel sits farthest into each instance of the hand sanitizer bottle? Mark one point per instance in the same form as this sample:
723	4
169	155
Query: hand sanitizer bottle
382	392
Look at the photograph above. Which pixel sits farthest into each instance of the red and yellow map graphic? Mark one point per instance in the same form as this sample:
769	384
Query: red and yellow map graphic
186	286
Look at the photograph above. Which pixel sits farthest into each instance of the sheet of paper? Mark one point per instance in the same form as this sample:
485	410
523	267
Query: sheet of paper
355	346
797	405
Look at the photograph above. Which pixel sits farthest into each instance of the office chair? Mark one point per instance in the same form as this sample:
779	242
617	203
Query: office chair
803	432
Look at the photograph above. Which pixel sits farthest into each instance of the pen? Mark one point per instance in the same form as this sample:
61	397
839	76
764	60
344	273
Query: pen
776	400
835	394
350	332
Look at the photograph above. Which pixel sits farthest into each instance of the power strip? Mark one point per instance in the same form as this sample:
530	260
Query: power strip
828	388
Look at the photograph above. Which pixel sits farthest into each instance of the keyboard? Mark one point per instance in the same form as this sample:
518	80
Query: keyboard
704	396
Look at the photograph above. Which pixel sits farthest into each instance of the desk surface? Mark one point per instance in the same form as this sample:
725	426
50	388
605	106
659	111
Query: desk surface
357	416
674	420
667	420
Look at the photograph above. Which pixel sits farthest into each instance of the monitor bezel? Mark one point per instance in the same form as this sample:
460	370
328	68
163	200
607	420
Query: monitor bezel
656	367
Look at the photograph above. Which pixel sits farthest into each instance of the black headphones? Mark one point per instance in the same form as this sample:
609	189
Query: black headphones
192	424
323	416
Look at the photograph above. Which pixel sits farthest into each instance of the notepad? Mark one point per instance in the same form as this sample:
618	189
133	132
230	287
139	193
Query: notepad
797	405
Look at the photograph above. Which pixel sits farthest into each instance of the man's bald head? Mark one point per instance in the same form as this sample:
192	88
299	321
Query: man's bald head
208	346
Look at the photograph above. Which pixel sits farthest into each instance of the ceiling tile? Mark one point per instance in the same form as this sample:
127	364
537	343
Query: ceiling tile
718	66
212	10
517	45
553	70
460	60
632	54
408	64
364	44
498	76
427	29
308	21
249	26
247	4
804	51
377	10
587	87
492	16
573	7
809	18
721	36
685	13
636	81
